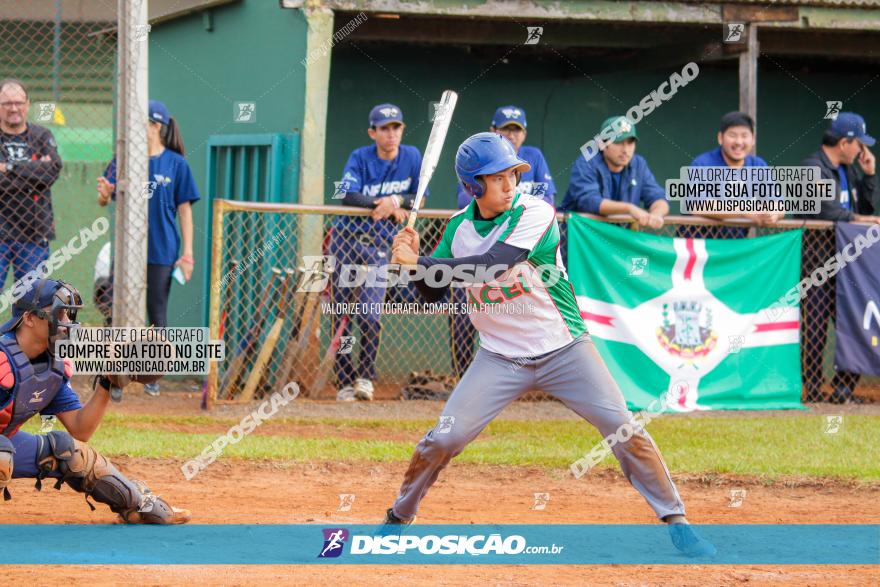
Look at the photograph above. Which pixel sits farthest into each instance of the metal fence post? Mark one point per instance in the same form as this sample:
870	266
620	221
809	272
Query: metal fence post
132	163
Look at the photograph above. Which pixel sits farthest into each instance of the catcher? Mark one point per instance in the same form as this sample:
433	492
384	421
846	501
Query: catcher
33	381
544	344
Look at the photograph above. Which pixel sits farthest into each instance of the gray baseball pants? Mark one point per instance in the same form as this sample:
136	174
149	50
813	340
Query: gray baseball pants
574	374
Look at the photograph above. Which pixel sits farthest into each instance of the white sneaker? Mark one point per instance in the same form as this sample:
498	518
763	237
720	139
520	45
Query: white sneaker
363	390
345	394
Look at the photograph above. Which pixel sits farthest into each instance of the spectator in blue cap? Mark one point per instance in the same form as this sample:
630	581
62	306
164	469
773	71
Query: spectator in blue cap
510	123
171	191
382	177
845	159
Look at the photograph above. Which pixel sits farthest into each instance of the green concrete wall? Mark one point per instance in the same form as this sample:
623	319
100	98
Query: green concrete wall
565	112
252	54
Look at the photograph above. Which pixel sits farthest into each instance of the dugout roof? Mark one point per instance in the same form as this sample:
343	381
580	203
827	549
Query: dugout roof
839	28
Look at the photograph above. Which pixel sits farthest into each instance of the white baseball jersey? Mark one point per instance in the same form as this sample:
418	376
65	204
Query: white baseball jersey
520	315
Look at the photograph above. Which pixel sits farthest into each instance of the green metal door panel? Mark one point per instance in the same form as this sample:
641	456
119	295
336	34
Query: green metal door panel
251	168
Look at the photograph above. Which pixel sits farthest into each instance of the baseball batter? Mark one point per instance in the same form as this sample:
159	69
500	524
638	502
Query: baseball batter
33	381
531	335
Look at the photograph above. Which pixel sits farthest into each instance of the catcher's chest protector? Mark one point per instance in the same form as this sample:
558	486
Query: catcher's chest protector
31	392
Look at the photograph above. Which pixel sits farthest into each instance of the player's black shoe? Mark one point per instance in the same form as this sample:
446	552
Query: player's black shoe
689	542
392	520
391	525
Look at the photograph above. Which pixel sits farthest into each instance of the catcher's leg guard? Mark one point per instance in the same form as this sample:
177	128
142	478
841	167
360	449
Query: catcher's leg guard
6	459
83	469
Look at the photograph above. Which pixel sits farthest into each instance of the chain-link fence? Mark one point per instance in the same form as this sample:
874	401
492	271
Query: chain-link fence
285	279
56	137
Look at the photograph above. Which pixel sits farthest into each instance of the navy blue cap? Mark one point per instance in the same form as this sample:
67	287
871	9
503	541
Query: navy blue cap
509	115
41	293
158	112
385	113
849	125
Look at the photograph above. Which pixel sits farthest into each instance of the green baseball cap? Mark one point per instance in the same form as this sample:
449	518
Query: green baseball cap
626	128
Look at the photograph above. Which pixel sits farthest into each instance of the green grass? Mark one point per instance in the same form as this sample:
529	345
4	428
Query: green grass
766	447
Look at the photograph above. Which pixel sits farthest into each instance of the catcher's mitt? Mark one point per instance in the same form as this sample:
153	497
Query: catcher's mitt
428	385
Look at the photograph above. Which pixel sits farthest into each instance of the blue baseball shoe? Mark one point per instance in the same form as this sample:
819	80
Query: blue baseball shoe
687	541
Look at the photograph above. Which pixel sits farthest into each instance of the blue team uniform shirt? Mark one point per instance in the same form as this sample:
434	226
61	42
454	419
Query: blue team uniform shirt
592	181
366	173
536	182
64	401
173	185
714	158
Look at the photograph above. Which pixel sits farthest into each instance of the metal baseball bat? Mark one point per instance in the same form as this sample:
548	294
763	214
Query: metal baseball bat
436	139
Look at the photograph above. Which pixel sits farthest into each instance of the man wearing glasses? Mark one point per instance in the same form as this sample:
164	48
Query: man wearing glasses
29	165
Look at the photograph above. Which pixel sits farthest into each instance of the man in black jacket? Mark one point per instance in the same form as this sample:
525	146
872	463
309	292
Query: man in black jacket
29	165
845	159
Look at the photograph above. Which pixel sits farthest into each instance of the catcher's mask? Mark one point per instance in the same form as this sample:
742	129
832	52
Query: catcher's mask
63	302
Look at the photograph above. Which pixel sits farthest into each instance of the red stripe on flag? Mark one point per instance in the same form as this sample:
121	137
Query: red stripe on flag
692	259
769	326
597	318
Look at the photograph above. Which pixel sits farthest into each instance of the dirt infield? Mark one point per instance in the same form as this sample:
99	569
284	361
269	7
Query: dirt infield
296	493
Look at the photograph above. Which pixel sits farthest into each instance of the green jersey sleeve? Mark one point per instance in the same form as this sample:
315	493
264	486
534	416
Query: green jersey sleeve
533	227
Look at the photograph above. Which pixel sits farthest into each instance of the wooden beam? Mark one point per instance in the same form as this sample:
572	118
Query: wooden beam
469	31
743	13
665	11
858	45
636	37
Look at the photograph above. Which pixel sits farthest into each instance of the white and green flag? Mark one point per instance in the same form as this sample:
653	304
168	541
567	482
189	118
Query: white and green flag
689	318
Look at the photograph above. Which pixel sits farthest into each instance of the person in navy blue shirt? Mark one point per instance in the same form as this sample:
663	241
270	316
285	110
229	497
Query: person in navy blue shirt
171	191
736	140
845	159
510	123
618	182
384	178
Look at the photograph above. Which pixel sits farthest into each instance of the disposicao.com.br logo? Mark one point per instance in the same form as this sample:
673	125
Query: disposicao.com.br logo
334	542
450	544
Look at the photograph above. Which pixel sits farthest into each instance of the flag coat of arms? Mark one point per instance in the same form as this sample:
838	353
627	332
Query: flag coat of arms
695	322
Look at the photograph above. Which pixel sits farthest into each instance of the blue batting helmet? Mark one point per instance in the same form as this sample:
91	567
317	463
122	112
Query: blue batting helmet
485	153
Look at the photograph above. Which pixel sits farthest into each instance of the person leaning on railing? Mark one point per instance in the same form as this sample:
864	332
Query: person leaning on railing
844	158
383	177
736	139
617	182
